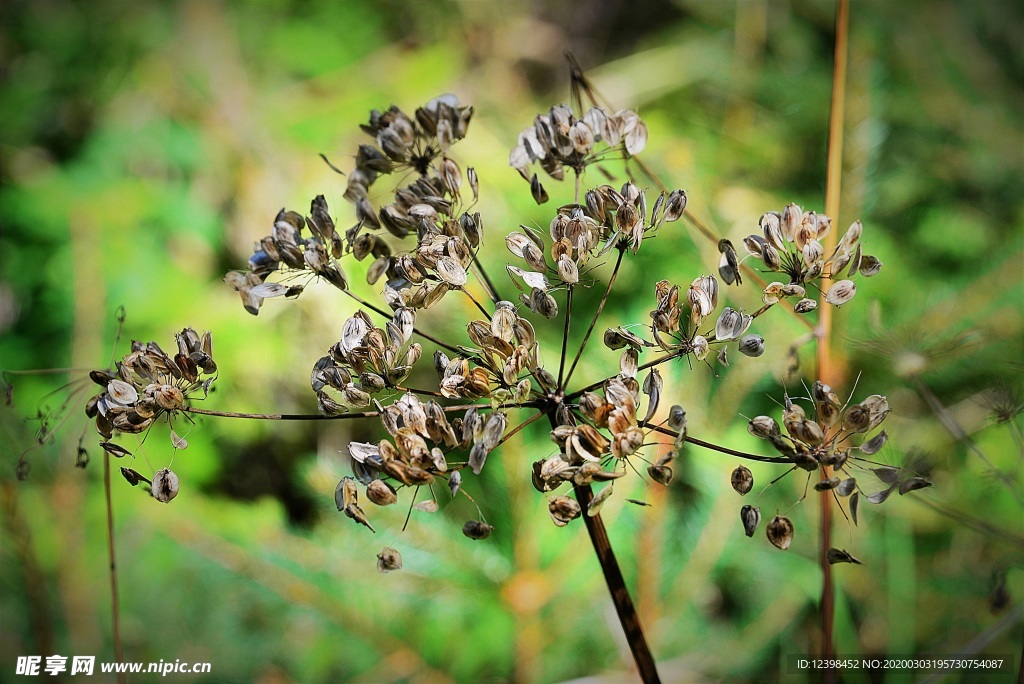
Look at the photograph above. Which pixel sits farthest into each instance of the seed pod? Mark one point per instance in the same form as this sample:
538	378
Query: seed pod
475	529
597	503
742	480
677	418
165	485
805	306
115	450
764	427
835	555
752	345
454	482
134	477
381	493
662	474
841	292
780	532
120	392
826	484
563	509
751	518
169	397
388	560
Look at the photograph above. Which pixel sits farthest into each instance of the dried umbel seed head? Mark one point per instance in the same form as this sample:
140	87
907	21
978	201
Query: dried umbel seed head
388	560
165	485
751	518
780	532
742	480
476	529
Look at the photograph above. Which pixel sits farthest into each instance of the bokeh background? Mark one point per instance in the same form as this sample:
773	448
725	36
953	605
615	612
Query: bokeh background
146	145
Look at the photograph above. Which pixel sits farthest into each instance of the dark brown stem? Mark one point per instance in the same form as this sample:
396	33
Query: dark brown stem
715	447
416	331
624	608
492	291
649	364
340	416
478	305
565	335
114	607
597	314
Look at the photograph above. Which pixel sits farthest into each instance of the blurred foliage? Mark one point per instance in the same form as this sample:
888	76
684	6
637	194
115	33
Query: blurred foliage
146	145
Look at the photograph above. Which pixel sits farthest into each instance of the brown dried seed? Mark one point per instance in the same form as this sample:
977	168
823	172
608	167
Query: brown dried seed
742	480
780	532
662	474
381	493
835	555
476	529
115	450
165	485
751	518
388	560
563	509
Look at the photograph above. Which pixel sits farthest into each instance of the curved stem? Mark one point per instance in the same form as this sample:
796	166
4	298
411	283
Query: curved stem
485	279
649	364
715	447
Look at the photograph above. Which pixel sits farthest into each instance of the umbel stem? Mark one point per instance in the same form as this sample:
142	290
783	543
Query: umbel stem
624	607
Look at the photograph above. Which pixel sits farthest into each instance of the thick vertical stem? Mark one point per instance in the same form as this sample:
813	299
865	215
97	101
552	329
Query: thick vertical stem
624	607
826	366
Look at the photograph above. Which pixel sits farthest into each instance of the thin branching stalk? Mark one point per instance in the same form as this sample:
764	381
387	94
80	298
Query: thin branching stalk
340	416
958	433
115	610
565	337
716	447
385	314
485	279
597	314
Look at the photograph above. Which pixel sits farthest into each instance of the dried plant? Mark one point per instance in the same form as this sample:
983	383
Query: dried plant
498	380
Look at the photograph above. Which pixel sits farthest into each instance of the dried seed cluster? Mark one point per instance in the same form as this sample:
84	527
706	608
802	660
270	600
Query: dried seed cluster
597	430
365	361
149	384
825	442
559	139
790	243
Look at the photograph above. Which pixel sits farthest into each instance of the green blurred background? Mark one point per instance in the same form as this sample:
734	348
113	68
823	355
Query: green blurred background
146	145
